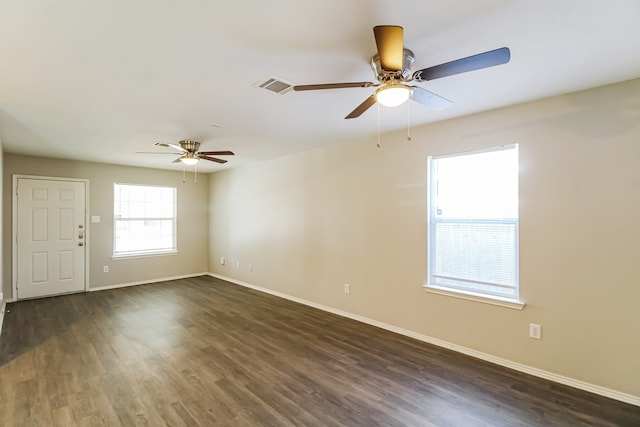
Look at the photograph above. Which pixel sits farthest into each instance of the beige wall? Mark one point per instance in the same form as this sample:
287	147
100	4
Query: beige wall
351	213
192	217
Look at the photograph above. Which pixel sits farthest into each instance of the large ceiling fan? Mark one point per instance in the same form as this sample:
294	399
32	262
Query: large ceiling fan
189	154
392	65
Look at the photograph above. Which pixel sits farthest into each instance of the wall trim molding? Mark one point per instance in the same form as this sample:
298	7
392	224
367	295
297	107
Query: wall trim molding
540	373
146	282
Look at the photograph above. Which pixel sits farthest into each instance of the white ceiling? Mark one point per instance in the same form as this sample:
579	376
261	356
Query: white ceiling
99	81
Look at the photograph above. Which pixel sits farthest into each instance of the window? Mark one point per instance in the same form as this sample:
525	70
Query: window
144	220
473	223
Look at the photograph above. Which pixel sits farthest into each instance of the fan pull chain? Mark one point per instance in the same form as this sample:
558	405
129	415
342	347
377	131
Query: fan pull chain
378	144
184	174
195	173
409	121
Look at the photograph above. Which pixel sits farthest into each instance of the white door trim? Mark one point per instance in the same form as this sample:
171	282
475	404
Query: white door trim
14	227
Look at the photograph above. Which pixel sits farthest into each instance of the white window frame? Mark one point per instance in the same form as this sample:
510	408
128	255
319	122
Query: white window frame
435	286
150	251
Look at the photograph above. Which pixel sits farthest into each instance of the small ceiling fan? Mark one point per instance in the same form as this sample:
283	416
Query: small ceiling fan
392	65
189	154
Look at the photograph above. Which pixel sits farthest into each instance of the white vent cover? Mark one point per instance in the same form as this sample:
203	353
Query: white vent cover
274	84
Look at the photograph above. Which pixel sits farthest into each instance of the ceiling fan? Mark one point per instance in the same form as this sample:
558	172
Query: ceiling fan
392	65
189	154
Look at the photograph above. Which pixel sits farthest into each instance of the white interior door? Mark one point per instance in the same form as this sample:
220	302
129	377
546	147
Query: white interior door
50	237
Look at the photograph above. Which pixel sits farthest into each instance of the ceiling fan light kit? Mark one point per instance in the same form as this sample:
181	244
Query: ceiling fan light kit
393	95
392	67
189	159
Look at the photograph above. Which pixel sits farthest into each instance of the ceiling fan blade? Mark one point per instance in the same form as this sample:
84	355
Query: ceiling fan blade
153	152
463	65
174	146
389	41
213	159
362	107
429	99
178	160
332	86
216	153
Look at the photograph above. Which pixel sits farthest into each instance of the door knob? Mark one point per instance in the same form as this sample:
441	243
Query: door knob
80	244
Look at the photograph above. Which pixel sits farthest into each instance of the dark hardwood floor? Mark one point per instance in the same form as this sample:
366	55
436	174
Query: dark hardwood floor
204	352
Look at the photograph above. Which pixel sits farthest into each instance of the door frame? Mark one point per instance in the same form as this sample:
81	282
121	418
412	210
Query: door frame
14	227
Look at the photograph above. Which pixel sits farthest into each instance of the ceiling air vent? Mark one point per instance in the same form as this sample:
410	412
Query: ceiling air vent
274	84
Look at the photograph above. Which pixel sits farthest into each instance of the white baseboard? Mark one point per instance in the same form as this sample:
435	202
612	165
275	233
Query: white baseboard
561	379
146	282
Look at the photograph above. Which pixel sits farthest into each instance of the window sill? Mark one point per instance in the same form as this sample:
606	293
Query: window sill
502	302
144	255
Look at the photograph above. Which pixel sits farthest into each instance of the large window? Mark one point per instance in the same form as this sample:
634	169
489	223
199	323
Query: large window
473	223
144	220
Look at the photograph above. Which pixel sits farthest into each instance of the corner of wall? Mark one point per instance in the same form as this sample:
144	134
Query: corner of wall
2	310
1	236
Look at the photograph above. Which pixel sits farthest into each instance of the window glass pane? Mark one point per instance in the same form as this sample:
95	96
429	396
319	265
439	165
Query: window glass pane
138	227
473	223
483	185
136	210
477	256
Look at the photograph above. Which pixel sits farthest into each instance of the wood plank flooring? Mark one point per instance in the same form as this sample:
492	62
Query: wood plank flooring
204	352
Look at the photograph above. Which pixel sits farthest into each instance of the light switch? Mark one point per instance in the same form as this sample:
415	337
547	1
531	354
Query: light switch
95	218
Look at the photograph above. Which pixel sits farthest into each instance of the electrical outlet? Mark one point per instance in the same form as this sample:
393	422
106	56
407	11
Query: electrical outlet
250	267
105	269
237	264
535	331
223	261
347	288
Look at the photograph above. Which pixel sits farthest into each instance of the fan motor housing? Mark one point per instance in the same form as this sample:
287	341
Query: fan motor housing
189	145
405	74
